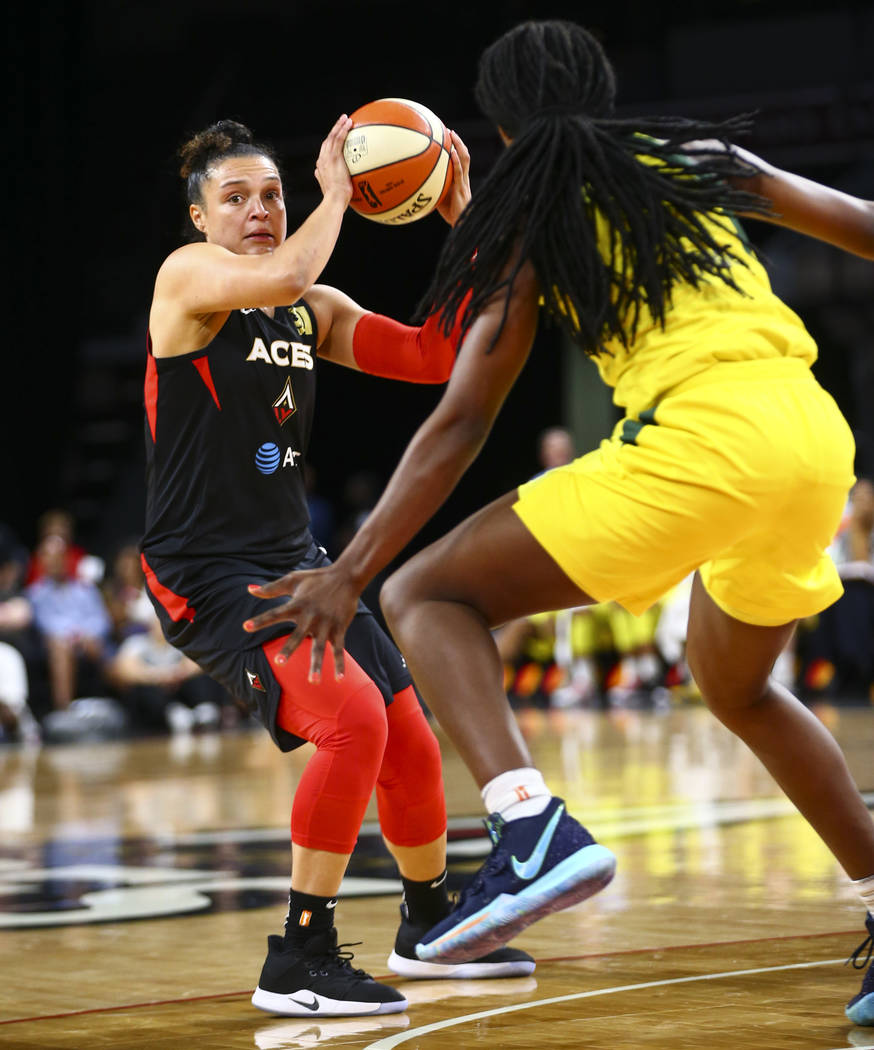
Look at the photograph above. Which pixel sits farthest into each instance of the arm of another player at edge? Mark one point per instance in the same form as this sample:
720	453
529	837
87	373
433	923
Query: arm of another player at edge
810	208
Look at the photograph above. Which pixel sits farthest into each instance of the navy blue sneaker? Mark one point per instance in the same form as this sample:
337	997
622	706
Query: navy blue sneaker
538	865
860	1009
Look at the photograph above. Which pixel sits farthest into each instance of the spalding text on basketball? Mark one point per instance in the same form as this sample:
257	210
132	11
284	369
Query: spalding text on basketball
421	203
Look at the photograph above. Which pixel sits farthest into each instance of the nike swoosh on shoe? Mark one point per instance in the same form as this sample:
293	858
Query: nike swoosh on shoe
528	869
314	1005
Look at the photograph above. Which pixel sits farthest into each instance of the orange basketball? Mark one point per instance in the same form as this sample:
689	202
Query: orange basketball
398	156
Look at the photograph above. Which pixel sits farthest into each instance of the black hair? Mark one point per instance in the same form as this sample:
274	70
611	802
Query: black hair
225	138
571	163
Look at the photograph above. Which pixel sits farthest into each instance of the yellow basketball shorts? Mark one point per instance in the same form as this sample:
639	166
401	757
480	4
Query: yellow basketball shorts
741	472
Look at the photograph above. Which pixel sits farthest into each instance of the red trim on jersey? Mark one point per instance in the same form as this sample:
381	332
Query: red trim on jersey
177	607
151	389
202	366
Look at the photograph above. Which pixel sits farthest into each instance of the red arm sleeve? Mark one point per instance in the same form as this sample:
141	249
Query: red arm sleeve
387	348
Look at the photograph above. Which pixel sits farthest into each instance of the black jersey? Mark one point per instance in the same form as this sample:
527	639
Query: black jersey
227	430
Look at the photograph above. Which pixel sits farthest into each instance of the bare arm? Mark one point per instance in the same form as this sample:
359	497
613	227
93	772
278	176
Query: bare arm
323	601
806	206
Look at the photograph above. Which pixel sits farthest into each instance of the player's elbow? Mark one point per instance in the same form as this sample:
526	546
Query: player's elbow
294	283
465	429
438	368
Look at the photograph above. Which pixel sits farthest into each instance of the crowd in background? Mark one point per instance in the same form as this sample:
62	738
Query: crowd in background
82	653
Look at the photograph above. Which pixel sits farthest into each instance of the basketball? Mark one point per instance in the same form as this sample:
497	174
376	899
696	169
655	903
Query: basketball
398	156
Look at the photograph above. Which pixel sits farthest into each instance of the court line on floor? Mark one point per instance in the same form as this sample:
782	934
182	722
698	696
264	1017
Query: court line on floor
387	977
412	1033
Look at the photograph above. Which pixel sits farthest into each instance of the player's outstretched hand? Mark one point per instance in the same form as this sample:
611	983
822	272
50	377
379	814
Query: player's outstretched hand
321	604
458	197
331	171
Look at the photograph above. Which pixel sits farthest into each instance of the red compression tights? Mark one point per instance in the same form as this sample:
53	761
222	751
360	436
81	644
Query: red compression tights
360	744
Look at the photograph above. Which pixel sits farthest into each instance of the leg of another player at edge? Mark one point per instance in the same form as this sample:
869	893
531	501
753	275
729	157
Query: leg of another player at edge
731	663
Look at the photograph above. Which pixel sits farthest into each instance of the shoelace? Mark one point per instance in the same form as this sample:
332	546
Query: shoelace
495	862
858	962
340	958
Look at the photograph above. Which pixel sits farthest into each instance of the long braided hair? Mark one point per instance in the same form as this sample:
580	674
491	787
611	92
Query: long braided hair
550	88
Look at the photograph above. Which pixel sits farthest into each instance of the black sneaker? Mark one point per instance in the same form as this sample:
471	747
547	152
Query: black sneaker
505	962
317	981
860	1009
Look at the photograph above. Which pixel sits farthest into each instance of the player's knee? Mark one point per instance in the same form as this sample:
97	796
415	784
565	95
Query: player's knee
361	721
397	597
725	690
412	755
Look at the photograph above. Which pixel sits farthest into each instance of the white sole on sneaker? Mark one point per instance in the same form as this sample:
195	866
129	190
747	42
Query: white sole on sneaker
416	968
310	1004
862	1012
504	918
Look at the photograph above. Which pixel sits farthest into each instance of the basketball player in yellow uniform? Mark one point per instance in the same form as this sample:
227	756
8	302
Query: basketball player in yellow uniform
731	461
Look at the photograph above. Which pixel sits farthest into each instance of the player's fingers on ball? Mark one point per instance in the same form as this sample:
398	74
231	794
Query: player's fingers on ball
463	151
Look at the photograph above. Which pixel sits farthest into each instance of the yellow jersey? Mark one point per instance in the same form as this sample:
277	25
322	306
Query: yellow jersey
704	326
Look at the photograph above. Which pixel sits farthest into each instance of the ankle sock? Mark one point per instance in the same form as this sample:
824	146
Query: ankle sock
865	889
516	793
307	915
427	902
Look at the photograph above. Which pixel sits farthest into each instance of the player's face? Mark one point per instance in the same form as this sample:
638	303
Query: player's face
243	209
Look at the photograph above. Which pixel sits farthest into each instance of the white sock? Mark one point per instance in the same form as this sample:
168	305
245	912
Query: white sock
516	793
865	889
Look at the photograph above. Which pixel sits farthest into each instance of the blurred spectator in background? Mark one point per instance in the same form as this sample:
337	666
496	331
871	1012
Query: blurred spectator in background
598	655
17	723
555	447
162	689
73	621
837	646
80	564
124	592
17	627
16	614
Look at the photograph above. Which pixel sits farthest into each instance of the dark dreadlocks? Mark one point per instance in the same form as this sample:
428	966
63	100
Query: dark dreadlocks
549	86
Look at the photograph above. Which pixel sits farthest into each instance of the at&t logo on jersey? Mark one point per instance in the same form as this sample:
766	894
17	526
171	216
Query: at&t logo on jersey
269	458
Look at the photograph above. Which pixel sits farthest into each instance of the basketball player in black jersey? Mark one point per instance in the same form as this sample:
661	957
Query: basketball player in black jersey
235	331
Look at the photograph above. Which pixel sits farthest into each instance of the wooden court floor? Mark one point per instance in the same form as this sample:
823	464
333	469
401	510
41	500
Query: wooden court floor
139	880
